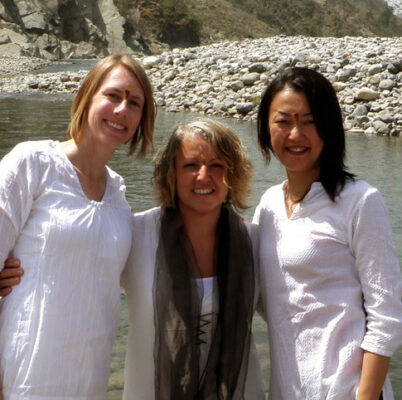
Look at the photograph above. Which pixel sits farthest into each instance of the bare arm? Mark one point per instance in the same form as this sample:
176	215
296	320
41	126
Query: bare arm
374	371
10	276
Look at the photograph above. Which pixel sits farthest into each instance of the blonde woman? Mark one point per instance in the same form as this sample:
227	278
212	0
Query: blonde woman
189	280
63	213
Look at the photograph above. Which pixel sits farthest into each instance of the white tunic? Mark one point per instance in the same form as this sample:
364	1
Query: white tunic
58	325
138	280
331	287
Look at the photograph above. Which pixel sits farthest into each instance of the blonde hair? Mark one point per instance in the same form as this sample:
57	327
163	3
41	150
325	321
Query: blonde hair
90	85
228	147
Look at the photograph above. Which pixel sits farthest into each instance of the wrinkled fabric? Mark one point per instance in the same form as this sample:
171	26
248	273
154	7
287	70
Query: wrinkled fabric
138	282
331	286
58	325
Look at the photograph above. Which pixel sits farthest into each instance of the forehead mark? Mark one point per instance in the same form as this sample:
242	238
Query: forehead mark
127	91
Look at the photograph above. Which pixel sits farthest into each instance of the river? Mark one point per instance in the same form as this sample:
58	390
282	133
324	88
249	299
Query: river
375	159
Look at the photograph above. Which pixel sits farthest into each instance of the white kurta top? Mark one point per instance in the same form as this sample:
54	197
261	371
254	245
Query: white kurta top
331	287
58	324
138	280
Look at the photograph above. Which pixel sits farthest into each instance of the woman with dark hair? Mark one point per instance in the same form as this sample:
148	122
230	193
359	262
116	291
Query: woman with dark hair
63	213
190	277
329	273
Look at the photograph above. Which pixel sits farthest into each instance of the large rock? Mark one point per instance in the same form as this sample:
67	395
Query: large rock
366	94
96	22
113	22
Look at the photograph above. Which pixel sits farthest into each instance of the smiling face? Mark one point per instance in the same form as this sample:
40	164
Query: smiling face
116	108
294	136
200	174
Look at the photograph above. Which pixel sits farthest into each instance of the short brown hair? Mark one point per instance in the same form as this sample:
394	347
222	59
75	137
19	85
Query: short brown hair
90	85
228	147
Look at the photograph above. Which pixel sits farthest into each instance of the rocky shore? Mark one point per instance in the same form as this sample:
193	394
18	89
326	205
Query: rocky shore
228	78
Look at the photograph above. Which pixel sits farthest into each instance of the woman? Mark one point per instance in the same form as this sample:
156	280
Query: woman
190	276
63	213
329	273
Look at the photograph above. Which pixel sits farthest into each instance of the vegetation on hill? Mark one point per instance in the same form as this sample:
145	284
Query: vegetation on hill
194	22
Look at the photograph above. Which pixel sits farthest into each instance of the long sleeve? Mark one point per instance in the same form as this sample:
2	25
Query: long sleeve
379	273
18	181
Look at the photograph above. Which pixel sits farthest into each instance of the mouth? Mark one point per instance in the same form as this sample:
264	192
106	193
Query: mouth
115	125
203	191
297	149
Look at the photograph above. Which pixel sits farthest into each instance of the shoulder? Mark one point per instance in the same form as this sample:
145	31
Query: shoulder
272	194
357	187
145	218
31	150
358	192
29	160
270	202
115	179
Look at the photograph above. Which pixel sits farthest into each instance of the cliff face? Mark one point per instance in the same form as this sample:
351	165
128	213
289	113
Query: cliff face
55	29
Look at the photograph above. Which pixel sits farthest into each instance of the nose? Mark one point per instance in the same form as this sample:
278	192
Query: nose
203	173
120	107
295	132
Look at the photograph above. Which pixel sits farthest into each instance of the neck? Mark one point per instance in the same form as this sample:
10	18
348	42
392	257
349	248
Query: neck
297	187
300	183
89	166
200	225
201	231
86	159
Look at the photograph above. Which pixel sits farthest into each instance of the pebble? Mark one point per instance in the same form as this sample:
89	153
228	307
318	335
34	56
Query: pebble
228	78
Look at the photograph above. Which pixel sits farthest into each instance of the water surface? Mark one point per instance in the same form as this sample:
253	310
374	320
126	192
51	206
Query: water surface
375	159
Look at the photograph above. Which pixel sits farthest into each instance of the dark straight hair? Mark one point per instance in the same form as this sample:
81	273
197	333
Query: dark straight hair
327	116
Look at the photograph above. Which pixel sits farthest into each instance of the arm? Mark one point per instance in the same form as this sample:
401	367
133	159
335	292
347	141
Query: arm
380	278
374	371
10	276
19	179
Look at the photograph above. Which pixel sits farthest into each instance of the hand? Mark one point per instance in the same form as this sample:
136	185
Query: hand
10	276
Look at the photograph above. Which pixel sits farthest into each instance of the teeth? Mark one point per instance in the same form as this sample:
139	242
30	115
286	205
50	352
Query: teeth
115	125
297	149
203	191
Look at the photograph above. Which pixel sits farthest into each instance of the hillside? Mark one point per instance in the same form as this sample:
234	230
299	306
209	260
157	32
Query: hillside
192	22
93	28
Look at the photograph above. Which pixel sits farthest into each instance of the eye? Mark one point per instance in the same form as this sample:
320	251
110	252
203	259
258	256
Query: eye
217	166
310	122
282	121
134	103
113	96
189	165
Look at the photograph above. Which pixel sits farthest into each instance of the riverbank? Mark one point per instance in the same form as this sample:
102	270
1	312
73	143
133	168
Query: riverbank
227	79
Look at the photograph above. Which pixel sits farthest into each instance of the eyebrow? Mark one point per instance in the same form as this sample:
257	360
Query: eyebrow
290	114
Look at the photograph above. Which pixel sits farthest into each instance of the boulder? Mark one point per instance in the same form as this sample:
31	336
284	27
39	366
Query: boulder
244	108
366	94
250	79
386	84
381	128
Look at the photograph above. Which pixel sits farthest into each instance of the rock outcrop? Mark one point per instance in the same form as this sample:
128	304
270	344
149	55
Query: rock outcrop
57	29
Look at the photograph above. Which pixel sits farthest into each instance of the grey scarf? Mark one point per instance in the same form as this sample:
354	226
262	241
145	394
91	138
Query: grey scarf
177	311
